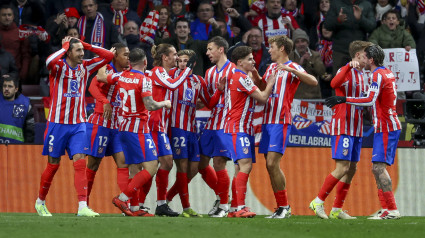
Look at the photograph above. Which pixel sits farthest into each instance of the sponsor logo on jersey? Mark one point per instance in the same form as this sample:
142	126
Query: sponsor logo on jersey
188	94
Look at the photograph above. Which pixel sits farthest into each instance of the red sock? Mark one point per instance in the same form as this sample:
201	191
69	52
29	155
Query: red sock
122	178
390	200
281	198
234	194
90	174
134	201
210	177
341	192
46	179
144	191
327	187
382	199
223	182
241	181
161	184
173	191
137	182
80	179
183	188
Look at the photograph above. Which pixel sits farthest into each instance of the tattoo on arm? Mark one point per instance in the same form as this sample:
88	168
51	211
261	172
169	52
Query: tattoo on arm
151	104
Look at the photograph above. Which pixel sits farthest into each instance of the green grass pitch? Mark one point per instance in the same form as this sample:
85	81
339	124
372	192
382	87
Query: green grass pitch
113	225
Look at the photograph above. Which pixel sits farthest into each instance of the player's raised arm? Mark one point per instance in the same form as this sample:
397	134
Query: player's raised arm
263	96
302	75
104	56
101	75
53	59
153	105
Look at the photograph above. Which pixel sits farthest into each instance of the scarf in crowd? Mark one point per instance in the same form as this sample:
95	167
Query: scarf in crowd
325	50
27	30
421	6
98	32
381	10
148	28
119	19
321	19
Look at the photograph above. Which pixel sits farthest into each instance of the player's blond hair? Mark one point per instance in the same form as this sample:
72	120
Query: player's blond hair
158	51
357	46
282	41
187	52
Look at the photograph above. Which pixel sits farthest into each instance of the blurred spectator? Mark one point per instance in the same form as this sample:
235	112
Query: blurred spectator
132	39
325	49
274	22
254	39
204	26
17	120
57	26
417	28
391	34
381	7
12	43
256	8
349	20
94	29
29	12
118	13
319	17
225	11
7	64
164	29
183	40
311	61
290	7
54	7
178	10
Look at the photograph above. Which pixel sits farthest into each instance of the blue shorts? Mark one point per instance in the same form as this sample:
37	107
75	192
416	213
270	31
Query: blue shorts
138	148
69	137
274	138
212	143
385	146
185	145
240	145
103	141
162	143
346	147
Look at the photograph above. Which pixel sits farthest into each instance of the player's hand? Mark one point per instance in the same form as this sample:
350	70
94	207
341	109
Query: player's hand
191	62
66	39
271	80
107	111
221	84
357	12
167	104
334	100
341	16
101	75
113	50
284	67
354	64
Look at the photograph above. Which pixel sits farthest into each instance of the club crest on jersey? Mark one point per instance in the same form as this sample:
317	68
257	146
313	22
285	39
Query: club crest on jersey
18	110
245	150
188	94
80	73
100	150
167	146
345	152
178	151
50	148
154	153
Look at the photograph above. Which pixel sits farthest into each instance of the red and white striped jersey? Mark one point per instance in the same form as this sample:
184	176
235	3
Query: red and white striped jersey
162	85
212	77
382	96
348	119
183	103
240	106
278	107
274	27
106	93
68	85
133	87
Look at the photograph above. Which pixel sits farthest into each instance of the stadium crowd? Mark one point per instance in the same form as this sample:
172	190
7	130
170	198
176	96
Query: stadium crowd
44	42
